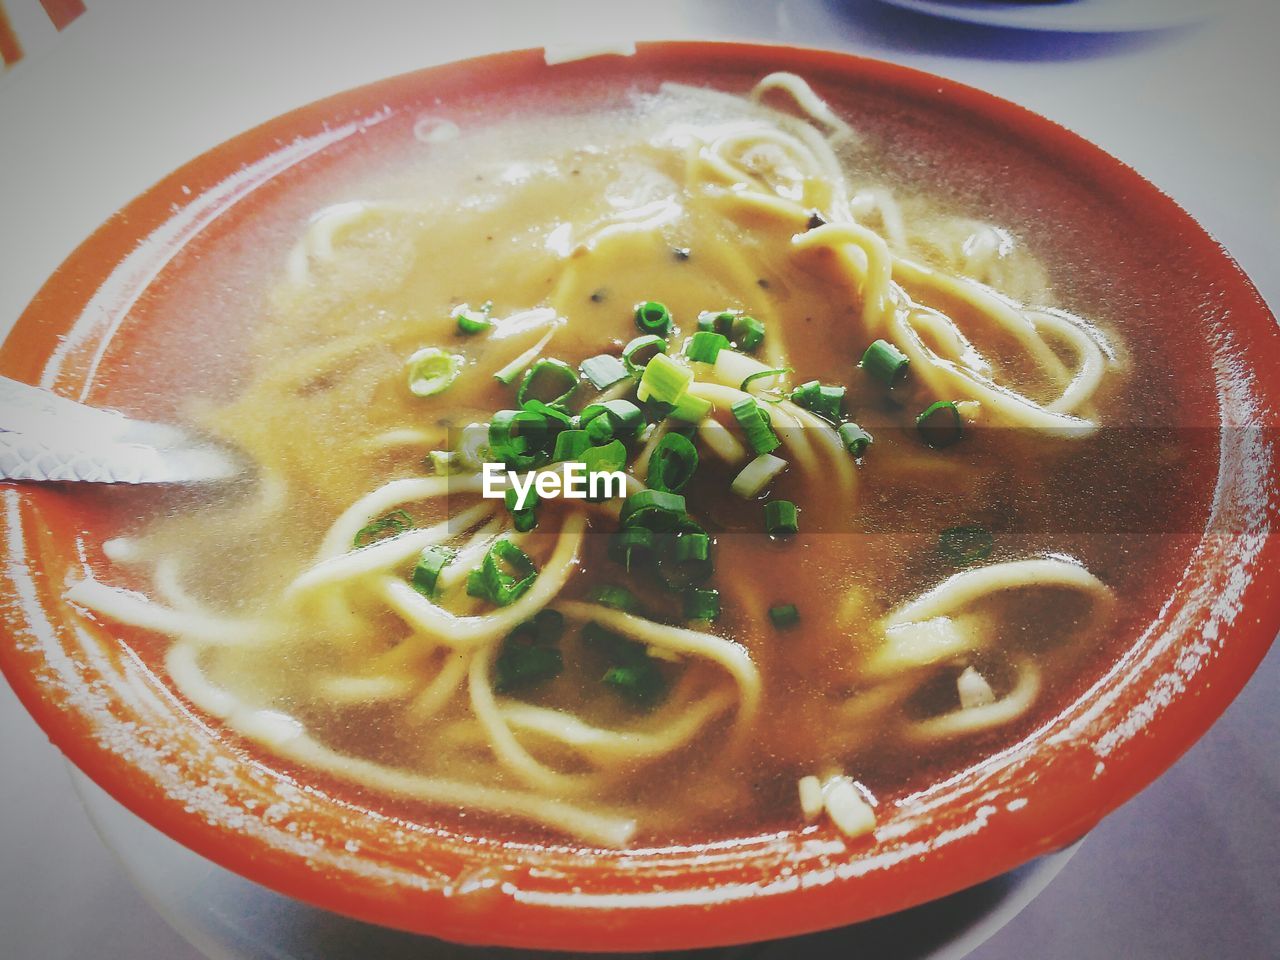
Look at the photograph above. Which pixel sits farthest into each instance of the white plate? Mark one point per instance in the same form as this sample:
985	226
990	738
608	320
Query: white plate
1075	16
227	917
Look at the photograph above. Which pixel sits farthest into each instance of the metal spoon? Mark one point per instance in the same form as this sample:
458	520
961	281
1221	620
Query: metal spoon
45	437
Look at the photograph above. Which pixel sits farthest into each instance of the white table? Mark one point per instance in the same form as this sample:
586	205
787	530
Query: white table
1188	870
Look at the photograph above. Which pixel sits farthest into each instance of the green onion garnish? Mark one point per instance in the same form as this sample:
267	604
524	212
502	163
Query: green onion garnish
701	604
653	317
825	401
557	373
530	653
781	518
443	462
940	425
663	380
603	371
473	321
757	475
672	464
614	597
684	555
962	546
503	576
633	674
427	570
609	456
759	434
518	438
395	522
523	518
692	547
721	322
617	418
642	346
432	370
557	416
656	510
855	439
570	445
632	546
760	375
885	362
705	345
747	333
785	615
640	683
690	409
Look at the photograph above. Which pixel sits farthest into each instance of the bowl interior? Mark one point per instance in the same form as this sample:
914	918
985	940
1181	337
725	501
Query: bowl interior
112	325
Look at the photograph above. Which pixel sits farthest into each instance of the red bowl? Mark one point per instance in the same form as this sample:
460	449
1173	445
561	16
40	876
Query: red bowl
94	331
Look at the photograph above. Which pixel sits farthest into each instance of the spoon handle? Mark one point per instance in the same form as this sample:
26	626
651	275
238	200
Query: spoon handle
45	437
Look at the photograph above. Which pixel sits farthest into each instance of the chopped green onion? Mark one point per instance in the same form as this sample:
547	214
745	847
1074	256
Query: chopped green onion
653	317
519	363
690	409
603	371
962	546
781	517
786	615
502	586
473	321
885	362
562	377
557	416
518	437
648	342
855	439
640	683
700	604
656	510
443	462
940	425
394	523
471	448
705	345
616	598
570	445
757	475
432	370
600	429
427	570
633	674
684	555
747	333
617	418
523	518
825	401
760	436
606	457
632	546
672	464
692	546
664	380
760	375
530	654
721	322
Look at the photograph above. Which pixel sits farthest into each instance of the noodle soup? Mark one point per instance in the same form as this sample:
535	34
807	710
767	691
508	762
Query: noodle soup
887	504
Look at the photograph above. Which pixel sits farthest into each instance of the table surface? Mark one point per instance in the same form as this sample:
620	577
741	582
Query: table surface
130	90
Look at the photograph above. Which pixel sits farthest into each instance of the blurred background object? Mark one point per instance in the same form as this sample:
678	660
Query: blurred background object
30	26
1080	16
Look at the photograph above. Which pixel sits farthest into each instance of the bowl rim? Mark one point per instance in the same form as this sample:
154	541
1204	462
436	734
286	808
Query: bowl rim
785	885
